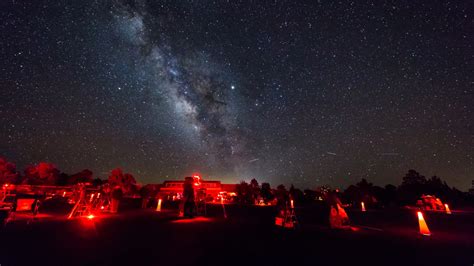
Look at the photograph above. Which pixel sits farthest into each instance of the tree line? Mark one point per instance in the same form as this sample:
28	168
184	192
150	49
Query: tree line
45	173
413	185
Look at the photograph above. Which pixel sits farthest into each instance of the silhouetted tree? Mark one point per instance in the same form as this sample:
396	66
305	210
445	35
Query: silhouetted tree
413	185
30	174
362	191
126	182
310	195
435	186
63	179
244	193
413	178
129	184
115	177
282	195
255	189
390	195
84	176
266	192
41	174
97	182
8	173
292	190
296	194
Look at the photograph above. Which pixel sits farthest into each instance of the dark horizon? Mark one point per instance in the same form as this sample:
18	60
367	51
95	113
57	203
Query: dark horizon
61	178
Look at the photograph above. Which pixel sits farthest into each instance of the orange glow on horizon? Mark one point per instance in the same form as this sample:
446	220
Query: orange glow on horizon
90	217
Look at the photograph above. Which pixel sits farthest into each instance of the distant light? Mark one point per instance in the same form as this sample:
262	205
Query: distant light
158	207
197	180
90	217
448	211
232	87
119	88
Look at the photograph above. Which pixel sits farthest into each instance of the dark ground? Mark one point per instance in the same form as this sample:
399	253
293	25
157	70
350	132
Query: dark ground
247	237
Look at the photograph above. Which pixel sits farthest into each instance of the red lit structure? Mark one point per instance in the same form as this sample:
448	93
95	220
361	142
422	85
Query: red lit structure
173	189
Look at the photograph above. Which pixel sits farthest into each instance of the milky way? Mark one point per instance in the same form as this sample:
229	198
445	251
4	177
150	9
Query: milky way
196	90
302	92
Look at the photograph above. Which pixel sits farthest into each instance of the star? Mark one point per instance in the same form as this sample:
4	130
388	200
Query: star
153	86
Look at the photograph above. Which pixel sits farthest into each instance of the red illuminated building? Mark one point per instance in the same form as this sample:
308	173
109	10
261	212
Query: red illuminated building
212	188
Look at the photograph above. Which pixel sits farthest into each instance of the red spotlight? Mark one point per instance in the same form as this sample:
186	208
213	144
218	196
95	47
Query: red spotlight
197	180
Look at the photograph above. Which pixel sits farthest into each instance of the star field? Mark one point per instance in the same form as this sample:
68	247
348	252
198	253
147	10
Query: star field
302	92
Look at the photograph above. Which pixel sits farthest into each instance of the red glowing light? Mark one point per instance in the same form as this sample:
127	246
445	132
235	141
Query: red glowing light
448	211
90	217
423	226
197	180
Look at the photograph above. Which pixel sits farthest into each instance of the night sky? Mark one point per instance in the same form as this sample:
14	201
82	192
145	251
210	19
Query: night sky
303	92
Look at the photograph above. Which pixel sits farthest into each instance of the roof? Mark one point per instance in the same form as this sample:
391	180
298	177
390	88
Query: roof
182	181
